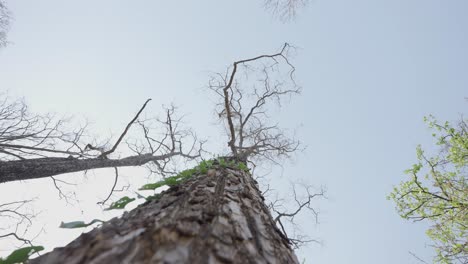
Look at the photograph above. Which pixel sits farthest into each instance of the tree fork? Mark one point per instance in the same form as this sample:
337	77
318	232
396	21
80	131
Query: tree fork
219	217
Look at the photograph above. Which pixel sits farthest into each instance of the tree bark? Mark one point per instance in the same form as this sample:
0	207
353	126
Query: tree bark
44	167
218	217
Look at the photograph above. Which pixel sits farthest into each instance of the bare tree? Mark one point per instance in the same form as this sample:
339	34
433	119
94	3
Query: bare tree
213	213
245	96
285	10
35	146
248	91
4	23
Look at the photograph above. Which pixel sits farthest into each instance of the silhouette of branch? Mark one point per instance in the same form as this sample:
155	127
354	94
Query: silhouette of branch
244	102
36	145
113	186
302	204
170	139
285	10
20	219
4	23
105	153
24	135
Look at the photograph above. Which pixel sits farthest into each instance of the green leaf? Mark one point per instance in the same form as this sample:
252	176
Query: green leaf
21	255
121	203
78	224
222	162
152	186
242	166
170	181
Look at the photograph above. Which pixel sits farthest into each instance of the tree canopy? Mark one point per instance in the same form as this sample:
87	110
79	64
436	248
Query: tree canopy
437	191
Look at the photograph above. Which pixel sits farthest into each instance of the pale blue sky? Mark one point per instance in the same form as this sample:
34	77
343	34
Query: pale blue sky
370	70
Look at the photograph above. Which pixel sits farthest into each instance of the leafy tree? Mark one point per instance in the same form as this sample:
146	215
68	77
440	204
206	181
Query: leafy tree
437	191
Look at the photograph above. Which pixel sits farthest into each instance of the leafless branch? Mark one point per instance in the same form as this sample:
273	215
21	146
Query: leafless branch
285	10
39	145
26	241
244	101
15	219
304	203
417	258
113	186
61	193
4	23
165	135
105	153
24	135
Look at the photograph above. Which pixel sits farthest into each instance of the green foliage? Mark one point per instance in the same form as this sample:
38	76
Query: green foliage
156	196
21	255
79	224
232	164
201	168
170	181
121	203
204	166
437	191
242	166
222	162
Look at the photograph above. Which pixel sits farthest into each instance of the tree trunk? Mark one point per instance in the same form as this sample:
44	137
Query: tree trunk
218	217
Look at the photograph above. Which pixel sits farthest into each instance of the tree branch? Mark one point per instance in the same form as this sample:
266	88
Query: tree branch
105	153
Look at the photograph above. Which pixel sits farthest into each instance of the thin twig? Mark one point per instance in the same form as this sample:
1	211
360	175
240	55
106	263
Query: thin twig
113	187
105	153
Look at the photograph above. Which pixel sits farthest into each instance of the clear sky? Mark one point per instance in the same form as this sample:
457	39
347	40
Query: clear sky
370	70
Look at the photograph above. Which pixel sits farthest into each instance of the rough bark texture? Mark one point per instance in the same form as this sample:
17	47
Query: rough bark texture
44	167
219	217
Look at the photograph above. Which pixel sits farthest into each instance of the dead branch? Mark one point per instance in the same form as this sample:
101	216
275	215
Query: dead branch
19	217
417	258
26	241
40	136
61	193
285	10
170	139
105	153
113	186
4	23
244	103
304	203
24	135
